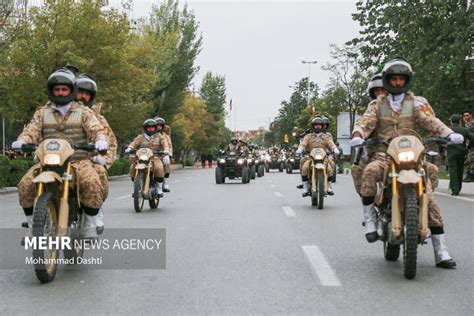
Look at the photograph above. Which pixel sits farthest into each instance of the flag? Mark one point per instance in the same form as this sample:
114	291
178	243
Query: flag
230	105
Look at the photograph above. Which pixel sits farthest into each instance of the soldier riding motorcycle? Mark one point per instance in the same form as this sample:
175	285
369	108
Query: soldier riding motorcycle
147	171
391	117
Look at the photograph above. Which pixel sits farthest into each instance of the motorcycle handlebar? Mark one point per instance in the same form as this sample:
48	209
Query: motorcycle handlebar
437	140
28	148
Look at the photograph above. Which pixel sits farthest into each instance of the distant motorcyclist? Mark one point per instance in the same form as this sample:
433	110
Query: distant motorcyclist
156	142
316	139
165	131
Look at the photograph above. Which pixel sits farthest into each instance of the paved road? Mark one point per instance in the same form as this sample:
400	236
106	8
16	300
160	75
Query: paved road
256	248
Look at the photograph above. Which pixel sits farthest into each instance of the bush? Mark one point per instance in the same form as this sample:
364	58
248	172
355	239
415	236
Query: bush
17	169
4	169
189	162
119	167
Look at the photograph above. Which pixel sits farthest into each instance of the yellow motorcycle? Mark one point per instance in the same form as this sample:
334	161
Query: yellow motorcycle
402	202
318	176
144	185
56	212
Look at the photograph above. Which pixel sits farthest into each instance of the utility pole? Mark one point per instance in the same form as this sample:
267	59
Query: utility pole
309	80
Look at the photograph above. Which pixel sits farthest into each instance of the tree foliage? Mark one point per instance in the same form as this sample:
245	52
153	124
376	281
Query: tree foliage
434	36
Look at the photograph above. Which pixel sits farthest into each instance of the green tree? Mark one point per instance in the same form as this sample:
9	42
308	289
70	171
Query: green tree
168	21
434	36
213	92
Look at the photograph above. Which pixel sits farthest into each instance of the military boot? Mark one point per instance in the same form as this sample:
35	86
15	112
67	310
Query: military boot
330	190
166	185
88	229
159	189
442	257
100	222
306	189
370	219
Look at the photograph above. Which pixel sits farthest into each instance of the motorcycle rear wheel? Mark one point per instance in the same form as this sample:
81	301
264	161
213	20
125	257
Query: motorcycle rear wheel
138	199
45	225
410	243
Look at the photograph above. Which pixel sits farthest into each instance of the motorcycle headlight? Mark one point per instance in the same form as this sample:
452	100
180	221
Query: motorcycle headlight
221	160
143	157
257	161
269	159
52	159
406	156
292	160
240	161
250	160
318	157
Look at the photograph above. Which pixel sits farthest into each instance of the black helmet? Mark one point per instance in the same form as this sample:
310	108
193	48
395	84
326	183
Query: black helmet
85	82
375	82
149	123
62	76
233	139
315	121
397	66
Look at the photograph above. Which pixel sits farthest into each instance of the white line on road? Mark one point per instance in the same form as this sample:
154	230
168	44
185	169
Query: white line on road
320	266
278	194
123	197
289	211
177	181
455	197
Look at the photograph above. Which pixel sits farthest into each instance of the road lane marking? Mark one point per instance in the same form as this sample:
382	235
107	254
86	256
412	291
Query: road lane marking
123	197
455	197
177	181
289	211
320	266
278	194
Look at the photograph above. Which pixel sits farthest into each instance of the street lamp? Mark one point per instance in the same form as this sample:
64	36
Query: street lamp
309	76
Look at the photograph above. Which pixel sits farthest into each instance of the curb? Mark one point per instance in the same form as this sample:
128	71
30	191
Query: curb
10	190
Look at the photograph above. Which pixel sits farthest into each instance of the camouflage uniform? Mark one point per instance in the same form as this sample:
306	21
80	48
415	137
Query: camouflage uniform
157	143
415	111
80	125
111	153
313	140
470	154
167	134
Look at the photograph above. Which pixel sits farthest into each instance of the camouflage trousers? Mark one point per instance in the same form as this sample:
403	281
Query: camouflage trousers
158	168
90	187
307	163
470	163
356	172
104	179
374	172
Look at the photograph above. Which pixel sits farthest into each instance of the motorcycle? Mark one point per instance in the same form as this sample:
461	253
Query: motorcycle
274	161
402	202
231	166
144	184
318	176
57	210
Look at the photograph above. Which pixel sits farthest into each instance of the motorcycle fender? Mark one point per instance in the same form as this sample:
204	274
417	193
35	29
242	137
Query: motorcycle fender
408	176
47	177
319	166
140	166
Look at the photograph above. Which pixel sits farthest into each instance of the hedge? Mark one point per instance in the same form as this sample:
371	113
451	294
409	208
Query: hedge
11	171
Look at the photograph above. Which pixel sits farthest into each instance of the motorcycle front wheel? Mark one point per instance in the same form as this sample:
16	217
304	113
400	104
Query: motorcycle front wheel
410	243
138	199
45	224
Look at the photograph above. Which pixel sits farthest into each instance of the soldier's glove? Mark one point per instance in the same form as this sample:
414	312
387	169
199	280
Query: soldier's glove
101	145
128	150
166	160
99	159
17	144
336	151
455	138
299	151
356	141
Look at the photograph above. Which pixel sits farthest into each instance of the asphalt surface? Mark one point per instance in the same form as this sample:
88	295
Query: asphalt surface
252	248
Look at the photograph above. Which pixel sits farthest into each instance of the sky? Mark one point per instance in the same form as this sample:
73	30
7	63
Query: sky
259	47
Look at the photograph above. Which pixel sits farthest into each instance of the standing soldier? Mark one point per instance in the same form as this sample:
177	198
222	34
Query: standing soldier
456	154
469	124
156	142
87	90
316	139
397	114
64	118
